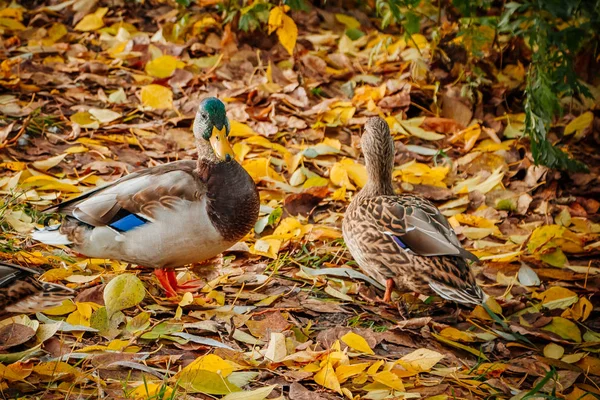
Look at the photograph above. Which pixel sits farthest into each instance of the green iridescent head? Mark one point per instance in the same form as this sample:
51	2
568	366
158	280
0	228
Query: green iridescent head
212	125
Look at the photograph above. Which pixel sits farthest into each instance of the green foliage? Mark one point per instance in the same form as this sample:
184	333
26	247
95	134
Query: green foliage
556	31
253	16
400	12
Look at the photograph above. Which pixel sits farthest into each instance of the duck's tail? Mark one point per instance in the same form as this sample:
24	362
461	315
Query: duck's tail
51	235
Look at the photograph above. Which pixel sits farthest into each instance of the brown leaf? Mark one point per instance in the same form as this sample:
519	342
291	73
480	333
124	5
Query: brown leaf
299	392
14	334
93	295
442	125
272	322
398	100
329	336
303	203
457	108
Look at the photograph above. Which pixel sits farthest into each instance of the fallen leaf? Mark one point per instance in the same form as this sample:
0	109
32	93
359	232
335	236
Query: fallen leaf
122	292
157	97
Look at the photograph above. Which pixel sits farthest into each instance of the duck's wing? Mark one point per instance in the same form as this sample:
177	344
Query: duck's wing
21	292
135	199
417	226
420	226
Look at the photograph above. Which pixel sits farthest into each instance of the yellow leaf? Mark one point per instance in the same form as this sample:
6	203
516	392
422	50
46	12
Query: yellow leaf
44	182
339	114
85	120
276	18
339	177
422	359
260	168
373	368
580	394
15	372
350	22
240	129
256	394
264	142
186	299
455	334
11	24
357	342
55	33
543	237
288	34
210	362
564	328
412	127
474	220
590	365
266	247
389	379
418	40
315	181
557	297
579	124
471	350
122	292
339	194
580	310
66	307
54	369
488	145
344	372
104	116
553	350
276	350
93	21
13	12
356	172
286	28
151	390
157	97
365	93
326	377
45	165
163	66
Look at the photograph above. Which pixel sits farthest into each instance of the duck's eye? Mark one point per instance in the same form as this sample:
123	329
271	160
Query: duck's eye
207	134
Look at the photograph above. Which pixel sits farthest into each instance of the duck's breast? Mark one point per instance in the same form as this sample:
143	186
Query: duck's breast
178	236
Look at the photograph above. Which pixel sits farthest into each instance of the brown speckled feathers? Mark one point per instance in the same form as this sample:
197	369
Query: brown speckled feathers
21	292
404	237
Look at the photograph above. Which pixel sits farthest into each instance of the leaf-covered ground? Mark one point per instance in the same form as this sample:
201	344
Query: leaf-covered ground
92	91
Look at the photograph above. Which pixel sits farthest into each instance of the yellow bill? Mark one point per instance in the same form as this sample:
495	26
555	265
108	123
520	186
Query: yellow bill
220	144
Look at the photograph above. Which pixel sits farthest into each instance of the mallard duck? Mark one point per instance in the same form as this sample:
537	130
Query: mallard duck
404	241
22	293
169	215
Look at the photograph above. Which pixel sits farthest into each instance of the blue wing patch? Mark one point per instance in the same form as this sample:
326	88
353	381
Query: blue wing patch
399	242
127	223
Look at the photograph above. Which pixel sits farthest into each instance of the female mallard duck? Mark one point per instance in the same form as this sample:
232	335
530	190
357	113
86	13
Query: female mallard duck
22	293
170	215
404	240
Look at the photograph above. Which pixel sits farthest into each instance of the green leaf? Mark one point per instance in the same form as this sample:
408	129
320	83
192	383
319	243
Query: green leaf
354	33
207	382
564	328
138	323
412	23
123	292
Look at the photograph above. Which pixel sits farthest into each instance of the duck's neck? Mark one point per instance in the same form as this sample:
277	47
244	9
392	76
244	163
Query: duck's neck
205	152
379	171
206	158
